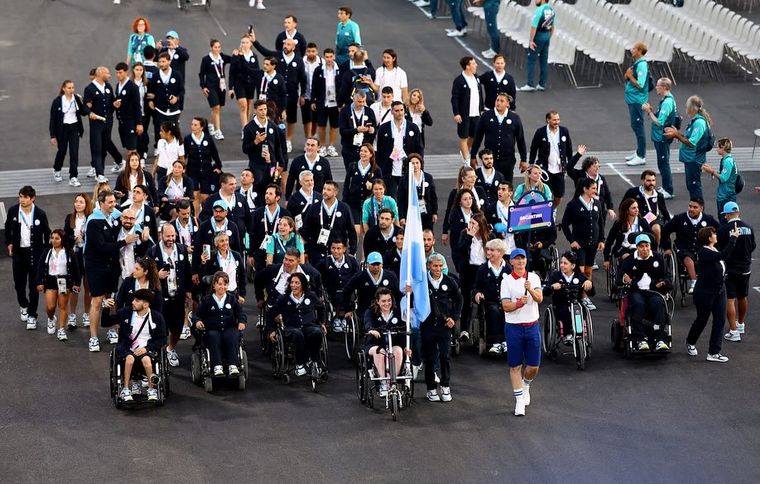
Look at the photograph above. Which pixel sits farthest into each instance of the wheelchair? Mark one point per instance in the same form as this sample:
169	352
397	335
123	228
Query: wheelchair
200	363
400	388
552	337
479	329
679	276
352	332
547	263
283	356
160	379
620	329
613	289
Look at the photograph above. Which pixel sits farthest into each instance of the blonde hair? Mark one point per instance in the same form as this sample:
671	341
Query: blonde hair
725	144
528	185
99	188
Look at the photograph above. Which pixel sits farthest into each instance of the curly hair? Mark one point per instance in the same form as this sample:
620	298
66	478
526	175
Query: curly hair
137	20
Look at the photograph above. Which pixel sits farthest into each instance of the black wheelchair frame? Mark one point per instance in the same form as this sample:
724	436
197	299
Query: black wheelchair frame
160	378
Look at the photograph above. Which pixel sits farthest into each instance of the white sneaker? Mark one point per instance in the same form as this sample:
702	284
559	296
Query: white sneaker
382	392
102	179
93	345
539	87
91	173
74	182
260	6
636	161
86	320
665	194
51	326
152	394
251	3
23	314
57	177
112	336
527	88
519	407
218	370
464	336
437	379
289	145
717	357
31	323
185	332
242	133
495	349
218	134
322	151
432	395
71	323
732	335
422	3
457	33
691	350
489	54
631	156
740	328
300	370
690	286
504	348
526	395
211	129
331	151
62	336
172	357
116	168
232	370
446	394
118	2
126	393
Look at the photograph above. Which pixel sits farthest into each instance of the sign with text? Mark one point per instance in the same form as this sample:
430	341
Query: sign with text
531	217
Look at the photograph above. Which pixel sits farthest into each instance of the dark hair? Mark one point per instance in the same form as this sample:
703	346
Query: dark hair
699	200
291	16
483	152
220	275
332	183
387	90
508	184
416	156
465	61
173	128
63	85
212	42
27	191
151	272
400	231
395	103
103	194
483	230
183	204
458	200
571	257
204	123
272	60
145	295
703	236
258	103
378	181
301	277
61	234
550	114
277	190
164	55
502	56
127	171
583	184
647	173
87	208
383	291
393	54
121	66
386	210
225	177
346	10
372	161
588	161
149	52
293	252
143	188
338	240
311	45
622	221
328	51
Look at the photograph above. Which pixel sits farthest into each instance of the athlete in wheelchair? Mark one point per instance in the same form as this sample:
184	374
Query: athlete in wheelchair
646	284
486	295
621	242
566	320
296	328
385	358
139	351
540	244
218	327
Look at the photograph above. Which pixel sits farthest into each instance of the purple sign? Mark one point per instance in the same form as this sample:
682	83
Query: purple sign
531	217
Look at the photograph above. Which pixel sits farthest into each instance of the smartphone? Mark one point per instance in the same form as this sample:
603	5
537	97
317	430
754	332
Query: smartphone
250	29
207	250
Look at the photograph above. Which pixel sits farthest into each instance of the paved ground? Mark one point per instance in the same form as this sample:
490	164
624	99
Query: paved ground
674	420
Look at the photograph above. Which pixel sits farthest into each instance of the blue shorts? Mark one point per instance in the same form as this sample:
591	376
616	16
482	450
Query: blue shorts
523	344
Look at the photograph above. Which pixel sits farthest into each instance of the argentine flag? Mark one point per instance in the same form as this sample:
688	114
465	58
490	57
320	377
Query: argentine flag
413	265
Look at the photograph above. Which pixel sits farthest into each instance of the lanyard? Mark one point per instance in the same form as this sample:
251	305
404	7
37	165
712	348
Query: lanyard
275	217
421	184
27	222
185	230
358	121
264	85
218	66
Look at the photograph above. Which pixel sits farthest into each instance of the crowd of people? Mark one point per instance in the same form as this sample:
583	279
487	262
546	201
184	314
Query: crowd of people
177	238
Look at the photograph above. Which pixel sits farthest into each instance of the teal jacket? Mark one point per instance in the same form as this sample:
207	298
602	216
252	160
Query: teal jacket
665	115
694	132
727	178
638	95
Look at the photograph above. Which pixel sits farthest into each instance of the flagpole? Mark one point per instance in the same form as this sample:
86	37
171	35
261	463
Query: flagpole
408	261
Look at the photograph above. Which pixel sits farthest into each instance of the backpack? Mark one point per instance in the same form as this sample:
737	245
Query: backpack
706	142
739	182
650	82
358	85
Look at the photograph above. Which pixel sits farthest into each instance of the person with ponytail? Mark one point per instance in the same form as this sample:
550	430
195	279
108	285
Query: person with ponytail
696	141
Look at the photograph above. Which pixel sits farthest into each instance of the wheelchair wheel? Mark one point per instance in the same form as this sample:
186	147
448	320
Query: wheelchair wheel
671	268
115	377
195	368
580	353
394	398
208	384
611	276
278	356
549	333
361	370
266	347
554	261
244	367
589	329
164	373
350	338
323	359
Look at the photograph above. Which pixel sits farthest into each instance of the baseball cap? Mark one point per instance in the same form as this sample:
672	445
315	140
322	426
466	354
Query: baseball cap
642	238
517	253
173	34
220	203
374	258
730	207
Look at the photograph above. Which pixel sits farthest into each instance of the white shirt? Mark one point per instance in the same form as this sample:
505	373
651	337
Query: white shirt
477	252
79	228
382	114
229	266
513	289
165	77
555	165
69	110
398	154
330	90
175	189
645	282
168	153
500	117
310	67
140	340
26	222
395	78
472	83
57	262
101	87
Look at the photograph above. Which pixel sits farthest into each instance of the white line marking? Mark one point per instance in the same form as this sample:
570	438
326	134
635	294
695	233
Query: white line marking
218	24
756	288
472	52
625	178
